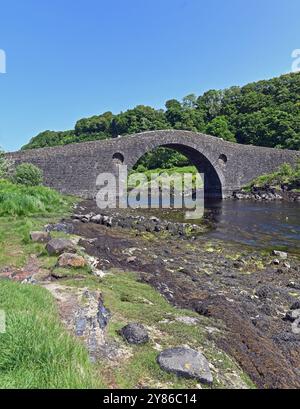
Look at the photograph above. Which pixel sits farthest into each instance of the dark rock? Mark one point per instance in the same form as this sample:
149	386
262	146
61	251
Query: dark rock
295	305
291	316
59	246
103	315
135	333
61	227
187	363
202	308
263	292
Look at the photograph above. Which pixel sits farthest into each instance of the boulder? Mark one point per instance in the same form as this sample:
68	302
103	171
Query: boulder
97	219
135	333
281	254
58	246
71	260
40	236
185	362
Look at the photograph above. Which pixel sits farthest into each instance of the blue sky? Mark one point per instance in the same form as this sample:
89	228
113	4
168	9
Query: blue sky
68	59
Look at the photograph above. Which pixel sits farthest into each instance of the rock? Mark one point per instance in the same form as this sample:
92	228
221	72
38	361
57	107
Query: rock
291	316
295	305
276	262
71	260
77	216
103	315
97	219
295	286
185	362
107	221
59	246
281	254
40	236
154	219
135	333
286	265
263	292
131	259
61	227
238	264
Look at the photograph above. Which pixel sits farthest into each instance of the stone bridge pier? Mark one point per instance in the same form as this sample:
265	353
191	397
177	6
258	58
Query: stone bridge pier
227	166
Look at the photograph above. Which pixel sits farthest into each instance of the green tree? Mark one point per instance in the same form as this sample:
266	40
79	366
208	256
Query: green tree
219	127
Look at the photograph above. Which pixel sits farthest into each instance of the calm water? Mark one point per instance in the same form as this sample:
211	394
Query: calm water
256	223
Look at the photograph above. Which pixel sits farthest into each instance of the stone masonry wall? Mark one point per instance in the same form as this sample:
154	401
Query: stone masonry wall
73	169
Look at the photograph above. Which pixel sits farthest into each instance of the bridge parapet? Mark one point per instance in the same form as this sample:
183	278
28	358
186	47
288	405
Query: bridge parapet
227	166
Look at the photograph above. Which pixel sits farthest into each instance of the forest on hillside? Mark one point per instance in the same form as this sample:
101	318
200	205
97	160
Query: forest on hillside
264	113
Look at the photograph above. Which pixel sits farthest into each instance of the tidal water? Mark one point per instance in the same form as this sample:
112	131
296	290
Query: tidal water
262	224
272	224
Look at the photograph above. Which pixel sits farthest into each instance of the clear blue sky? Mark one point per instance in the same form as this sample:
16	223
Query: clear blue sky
68	59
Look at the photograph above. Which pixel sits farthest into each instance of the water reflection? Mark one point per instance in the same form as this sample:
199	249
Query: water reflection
256	223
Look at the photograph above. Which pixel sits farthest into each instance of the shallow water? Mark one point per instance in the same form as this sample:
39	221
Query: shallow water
262	224
257	223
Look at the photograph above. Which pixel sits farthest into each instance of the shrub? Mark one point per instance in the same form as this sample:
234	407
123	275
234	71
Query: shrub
28	175
286	174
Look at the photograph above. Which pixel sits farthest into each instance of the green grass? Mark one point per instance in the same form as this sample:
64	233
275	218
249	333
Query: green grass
35	350
15	243
285	175
18	200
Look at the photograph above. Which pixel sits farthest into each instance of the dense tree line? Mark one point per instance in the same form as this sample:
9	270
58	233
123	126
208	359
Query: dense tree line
265	113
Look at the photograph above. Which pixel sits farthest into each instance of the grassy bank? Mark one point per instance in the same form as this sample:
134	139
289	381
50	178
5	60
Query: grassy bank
35	351
286	175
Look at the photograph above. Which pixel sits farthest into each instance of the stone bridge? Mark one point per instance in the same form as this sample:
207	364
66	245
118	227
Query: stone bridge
73	169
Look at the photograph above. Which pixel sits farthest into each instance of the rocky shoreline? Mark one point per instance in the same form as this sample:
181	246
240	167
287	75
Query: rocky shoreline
246	301
267	193
134	219
250	293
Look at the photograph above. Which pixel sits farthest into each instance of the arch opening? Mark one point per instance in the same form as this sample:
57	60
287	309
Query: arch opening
190	157
118	158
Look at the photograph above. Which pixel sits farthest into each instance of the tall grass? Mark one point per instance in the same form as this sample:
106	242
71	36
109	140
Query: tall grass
35	350
18	200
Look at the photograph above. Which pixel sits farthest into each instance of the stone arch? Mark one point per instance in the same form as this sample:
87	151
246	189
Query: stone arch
214	178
